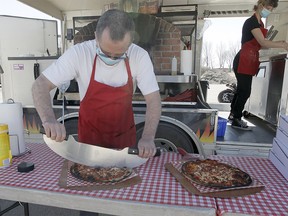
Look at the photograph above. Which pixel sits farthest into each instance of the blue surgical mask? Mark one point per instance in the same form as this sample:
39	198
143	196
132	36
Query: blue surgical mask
108	60
265	13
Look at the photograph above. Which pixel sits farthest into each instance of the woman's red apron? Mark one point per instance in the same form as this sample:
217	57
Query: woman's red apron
249	56
106	115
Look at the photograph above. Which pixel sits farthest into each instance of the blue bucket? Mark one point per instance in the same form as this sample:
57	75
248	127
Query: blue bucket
222	123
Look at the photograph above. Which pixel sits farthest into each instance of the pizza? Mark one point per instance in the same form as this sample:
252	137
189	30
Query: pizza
99	174
212	173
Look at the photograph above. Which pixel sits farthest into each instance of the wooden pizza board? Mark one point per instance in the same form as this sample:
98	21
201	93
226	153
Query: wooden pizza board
235	192
125	183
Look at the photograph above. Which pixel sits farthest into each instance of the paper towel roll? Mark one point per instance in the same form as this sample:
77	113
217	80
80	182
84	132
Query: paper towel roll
186	62
12	114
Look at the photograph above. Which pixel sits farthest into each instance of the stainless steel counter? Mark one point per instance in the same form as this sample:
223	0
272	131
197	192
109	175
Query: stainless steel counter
269	54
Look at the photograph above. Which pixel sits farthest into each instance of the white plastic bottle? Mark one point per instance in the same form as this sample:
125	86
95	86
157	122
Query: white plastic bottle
174	66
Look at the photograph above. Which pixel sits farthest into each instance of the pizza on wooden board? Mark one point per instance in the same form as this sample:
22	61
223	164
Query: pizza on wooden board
212	173
99	174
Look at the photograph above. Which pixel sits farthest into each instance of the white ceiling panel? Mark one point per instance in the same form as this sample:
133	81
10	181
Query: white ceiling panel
57	8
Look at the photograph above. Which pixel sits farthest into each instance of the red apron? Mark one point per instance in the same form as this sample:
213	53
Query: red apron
106	115
249	56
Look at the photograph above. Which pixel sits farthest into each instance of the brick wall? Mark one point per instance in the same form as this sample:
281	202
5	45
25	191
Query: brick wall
167	45
86	33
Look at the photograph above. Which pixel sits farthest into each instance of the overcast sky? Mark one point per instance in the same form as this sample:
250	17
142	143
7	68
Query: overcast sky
225	29
16	8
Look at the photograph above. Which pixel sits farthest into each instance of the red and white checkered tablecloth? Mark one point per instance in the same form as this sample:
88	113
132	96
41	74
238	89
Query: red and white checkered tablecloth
158	186
273	200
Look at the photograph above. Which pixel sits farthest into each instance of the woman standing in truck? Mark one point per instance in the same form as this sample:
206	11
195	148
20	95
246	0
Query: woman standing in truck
246	62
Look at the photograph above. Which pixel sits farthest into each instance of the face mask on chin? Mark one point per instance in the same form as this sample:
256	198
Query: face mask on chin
265	13
106	59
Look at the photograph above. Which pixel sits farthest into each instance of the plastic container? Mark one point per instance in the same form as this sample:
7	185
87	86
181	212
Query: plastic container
11	113
222	124
174	66
5	151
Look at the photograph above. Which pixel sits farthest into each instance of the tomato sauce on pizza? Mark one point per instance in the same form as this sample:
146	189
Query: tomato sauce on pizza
99	174
213	173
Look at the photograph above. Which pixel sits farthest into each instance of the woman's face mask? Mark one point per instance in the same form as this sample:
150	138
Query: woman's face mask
265	12
108	59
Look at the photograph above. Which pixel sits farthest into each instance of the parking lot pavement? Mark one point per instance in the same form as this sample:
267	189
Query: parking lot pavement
213	91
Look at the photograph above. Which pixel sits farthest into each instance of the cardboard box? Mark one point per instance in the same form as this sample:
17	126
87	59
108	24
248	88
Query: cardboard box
283	123
282	136
278	164
191	187
281	151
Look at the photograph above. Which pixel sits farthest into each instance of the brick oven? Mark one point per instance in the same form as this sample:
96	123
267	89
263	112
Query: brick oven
168	44
161	39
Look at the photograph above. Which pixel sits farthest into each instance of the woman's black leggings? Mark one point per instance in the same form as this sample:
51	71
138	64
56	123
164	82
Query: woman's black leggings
242	94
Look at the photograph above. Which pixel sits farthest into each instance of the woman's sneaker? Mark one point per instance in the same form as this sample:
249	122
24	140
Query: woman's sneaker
230	117
240	124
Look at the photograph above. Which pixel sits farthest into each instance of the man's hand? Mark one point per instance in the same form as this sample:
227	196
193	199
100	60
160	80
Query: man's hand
42	101
55	130
146	147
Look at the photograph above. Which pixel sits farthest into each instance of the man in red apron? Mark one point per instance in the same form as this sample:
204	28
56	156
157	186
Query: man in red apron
104	66
246	62
109	122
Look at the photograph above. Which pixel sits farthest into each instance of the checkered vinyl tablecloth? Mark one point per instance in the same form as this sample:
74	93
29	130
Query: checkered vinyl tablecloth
271	201
158	186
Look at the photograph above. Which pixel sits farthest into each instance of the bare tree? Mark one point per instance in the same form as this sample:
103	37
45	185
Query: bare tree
223	55
207	55
211	63
233	48
220	52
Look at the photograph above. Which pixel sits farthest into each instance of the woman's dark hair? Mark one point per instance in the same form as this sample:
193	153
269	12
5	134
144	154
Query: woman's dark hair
272	3
118	22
